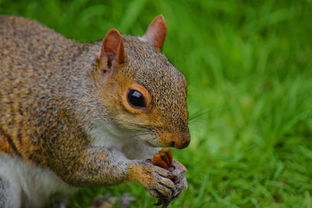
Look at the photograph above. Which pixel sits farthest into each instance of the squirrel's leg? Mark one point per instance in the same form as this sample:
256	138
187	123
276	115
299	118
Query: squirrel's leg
98	165
9	193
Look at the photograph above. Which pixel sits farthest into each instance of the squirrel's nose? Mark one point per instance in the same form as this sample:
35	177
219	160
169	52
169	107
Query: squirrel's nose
182	143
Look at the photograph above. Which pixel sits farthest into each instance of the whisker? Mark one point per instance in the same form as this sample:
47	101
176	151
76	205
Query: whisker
197	116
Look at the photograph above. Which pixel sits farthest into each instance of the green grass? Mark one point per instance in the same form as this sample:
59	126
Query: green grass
249	69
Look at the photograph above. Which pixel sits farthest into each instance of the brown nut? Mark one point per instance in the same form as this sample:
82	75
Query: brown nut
163	158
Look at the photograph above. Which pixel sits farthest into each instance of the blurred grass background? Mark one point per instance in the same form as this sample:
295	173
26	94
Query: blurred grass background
248	63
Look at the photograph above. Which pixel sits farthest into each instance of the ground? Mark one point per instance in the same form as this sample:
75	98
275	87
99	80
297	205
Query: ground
249	68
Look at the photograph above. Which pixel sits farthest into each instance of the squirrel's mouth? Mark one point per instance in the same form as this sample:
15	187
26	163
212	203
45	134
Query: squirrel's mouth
150	141
150	144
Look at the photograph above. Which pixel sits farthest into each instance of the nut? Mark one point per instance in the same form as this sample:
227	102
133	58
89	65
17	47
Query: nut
163	159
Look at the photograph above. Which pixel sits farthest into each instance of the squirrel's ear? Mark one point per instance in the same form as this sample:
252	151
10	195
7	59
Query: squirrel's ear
156	32
112	49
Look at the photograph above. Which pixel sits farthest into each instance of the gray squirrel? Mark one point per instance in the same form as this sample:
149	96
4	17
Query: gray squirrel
86	114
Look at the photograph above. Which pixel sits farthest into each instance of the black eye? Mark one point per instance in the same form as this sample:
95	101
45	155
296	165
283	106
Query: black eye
136	99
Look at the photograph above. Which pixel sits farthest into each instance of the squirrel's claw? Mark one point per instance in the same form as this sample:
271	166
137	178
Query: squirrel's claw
177	171
155	179
165	185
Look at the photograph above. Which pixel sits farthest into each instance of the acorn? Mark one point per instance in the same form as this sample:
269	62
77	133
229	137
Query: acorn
163	158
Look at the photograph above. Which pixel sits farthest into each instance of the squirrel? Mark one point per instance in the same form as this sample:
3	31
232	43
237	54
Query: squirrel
86	114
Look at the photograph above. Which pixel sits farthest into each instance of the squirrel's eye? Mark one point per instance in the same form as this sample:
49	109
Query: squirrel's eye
136	99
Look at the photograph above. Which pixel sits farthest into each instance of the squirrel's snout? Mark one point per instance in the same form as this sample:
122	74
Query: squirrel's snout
184	143
181	142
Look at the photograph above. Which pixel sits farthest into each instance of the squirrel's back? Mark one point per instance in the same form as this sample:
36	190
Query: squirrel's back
33	63
25	38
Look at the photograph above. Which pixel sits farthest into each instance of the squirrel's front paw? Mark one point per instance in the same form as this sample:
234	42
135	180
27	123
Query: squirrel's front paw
178	170
163	184
158	181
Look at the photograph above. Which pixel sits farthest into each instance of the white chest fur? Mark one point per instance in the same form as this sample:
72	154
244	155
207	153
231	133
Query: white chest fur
28	185
131	146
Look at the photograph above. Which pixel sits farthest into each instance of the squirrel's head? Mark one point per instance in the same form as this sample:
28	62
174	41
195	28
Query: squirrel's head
140	89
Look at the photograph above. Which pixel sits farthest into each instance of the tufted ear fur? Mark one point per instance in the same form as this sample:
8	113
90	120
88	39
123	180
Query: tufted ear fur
156	32
112	50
